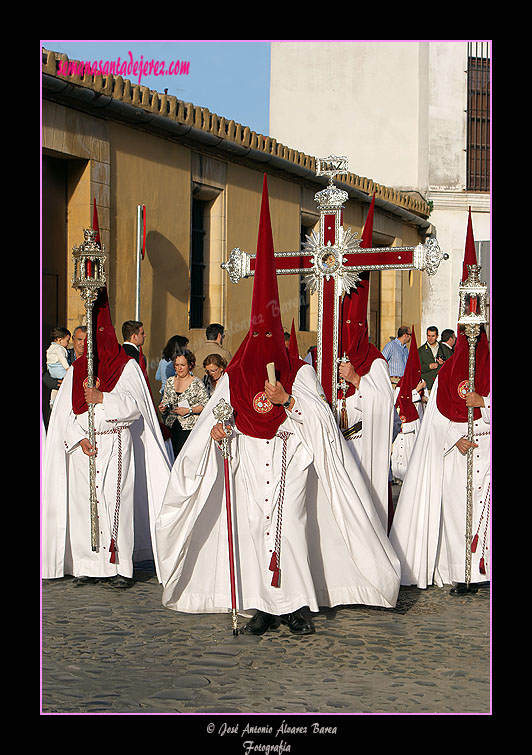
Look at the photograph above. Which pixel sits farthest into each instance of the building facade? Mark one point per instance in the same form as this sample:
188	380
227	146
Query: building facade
415	116
199	177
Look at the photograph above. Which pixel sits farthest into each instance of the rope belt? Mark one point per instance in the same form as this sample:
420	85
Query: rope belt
275	563
114	534
484	515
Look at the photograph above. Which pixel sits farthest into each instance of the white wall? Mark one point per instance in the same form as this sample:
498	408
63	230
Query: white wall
398	111
350	98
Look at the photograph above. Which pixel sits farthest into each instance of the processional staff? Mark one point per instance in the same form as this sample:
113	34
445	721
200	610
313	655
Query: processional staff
88	277
222	412
473	295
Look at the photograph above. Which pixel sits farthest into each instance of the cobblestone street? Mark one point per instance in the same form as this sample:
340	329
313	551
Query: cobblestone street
120	651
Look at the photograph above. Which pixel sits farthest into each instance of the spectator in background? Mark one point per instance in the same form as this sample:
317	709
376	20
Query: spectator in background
214	366
166	365
78	340
184	397
57	356
447	341
134	337
431	357
215	335
396	353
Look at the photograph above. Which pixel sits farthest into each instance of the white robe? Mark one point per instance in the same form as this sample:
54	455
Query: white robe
428	530
403	444
334	549
372	403
145	470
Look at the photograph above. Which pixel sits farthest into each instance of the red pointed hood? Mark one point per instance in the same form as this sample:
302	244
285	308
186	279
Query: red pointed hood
411	377
470	255
293	348
254	414
453	377
354	333
109	359
95	223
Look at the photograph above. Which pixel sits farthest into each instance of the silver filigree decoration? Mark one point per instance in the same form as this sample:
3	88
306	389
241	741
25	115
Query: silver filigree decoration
238	265
428	256
222	411
331	198
328	260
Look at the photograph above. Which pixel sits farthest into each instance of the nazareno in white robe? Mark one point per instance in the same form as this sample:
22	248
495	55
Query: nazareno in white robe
372	403
428	530
145	470
403	444
334	549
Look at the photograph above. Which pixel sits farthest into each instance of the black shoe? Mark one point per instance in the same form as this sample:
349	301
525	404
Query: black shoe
461	588
260	623
80	581
297	623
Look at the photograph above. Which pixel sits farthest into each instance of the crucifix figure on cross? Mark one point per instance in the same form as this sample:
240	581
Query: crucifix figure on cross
331	262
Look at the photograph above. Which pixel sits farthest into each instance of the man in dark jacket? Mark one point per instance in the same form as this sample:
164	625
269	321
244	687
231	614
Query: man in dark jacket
431	357
447	341
134	337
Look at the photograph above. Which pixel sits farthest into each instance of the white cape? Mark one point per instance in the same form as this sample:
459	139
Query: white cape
428	529
151	472
372	403
346	557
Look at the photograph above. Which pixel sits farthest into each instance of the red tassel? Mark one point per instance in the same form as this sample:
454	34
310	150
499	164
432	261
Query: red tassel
343	418
112	550
474	544
275	569
482	567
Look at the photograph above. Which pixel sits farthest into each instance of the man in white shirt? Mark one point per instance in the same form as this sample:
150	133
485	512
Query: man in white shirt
396	353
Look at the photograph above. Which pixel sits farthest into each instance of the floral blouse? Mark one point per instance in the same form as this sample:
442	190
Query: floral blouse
195	394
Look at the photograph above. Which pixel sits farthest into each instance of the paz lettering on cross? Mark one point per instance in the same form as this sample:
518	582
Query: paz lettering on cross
330	262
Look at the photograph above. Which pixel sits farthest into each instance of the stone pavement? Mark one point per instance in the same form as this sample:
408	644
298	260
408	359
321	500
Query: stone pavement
120	651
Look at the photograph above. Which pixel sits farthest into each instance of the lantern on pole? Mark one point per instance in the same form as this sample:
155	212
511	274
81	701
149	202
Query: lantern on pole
473	308
89	277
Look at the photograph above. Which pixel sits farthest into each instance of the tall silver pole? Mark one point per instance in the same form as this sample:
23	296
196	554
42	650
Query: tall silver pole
89	302
473	295
472	333
88	278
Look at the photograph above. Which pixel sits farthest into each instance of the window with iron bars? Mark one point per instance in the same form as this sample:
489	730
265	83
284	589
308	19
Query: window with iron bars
478	116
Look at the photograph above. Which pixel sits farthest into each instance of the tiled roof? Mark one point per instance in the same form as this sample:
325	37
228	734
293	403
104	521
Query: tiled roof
227	131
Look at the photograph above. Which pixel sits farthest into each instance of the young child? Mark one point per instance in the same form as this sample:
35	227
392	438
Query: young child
56	356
